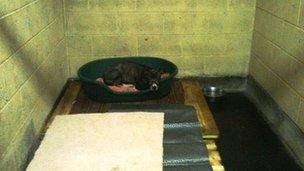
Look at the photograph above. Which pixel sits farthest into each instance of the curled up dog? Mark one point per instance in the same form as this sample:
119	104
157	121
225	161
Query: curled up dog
141	76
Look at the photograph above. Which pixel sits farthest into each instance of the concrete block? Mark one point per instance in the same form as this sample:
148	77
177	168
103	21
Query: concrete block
140	23
288	10
79	45
280	62
287	98
180	5
8	162
150	5
239	43
211	5
241	4
301	16
268	25
301	115
233	65
239	21
204	44
292	40
185	23
75	64
114	45
113	5
159	45
77	5
83	24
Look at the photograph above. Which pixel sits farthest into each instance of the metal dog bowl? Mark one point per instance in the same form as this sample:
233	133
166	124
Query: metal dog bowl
213	92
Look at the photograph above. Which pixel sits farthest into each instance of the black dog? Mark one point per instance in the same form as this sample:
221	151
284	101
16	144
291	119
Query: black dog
143	77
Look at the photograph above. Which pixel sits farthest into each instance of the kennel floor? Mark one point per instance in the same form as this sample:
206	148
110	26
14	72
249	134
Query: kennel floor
74	101
247	142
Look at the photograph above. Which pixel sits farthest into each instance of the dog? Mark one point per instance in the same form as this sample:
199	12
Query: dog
141	76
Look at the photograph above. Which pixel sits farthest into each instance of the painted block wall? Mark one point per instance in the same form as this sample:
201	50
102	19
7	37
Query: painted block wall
203	37
277	61
33	70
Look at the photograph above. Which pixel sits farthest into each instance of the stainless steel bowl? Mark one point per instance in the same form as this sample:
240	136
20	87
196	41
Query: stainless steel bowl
211	91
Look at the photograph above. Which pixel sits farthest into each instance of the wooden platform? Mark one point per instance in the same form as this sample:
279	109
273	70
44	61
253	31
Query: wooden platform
186	92
183	92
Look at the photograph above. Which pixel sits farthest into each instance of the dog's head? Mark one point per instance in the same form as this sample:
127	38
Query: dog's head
154	77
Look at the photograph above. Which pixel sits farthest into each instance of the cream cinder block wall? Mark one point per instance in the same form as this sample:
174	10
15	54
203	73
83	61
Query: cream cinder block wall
277	61
33	70
203	37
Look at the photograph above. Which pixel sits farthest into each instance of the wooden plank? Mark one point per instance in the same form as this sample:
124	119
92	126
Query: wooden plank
66	103
214	156
82	103
194	96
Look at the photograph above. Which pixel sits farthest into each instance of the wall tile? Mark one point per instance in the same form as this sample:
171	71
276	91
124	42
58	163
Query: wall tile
79	45
241	4
210	5
179	5
75	64
239	43
269	26
77	5
140	23
185	23
283	64
8	162
301	17
239	21
292	41
150	5
220	66
33	69
159	45
83	24
287	98
301	116
288	10
113	5
184	28
205	44
8	6
114	46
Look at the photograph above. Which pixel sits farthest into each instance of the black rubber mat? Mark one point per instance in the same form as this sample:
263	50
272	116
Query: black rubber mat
175	135
247	142
201	167
183	145
185	154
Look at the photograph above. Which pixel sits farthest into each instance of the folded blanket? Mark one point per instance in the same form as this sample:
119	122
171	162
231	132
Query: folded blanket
124	141
127	87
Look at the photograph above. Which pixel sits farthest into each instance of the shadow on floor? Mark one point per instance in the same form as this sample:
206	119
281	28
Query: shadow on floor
246	141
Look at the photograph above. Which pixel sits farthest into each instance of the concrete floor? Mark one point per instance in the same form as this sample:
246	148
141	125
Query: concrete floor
246	141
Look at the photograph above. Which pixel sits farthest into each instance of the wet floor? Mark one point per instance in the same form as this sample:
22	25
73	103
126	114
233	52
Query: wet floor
246	141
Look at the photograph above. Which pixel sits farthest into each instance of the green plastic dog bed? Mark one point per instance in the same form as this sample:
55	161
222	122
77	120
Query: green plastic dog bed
89	72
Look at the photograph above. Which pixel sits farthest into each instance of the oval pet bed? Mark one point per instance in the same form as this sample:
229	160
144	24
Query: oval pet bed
91	71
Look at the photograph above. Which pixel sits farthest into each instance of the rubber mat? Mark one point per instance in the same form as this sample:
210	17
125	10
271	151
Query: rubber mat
201	167
174	135
184	154
183	145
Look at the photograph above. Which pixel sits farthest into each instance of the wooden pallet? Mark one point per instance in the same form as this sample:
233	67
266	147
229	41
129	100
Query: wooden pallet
183	92
187	92
194	96
214	156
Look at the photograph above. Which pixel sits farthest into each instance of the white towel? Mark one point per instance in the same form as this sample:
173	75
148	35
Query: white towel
107	142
